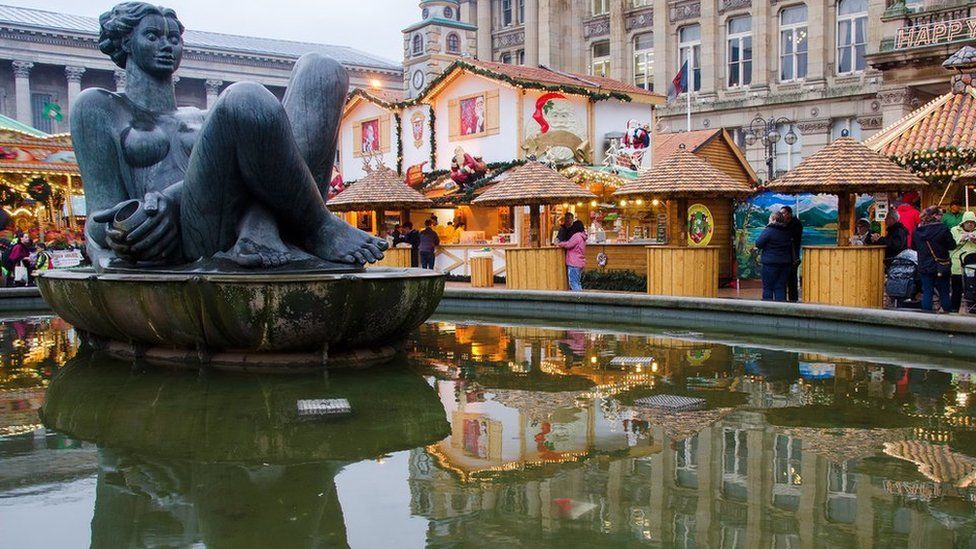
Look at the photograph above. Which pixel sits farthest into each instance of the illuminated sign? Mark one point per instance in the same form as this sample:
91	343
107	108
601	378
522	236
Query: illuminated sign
936	33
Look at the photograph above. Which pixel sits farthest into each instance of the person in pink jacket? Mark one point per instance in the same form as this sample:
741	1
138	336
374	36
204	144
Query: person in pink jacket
575	246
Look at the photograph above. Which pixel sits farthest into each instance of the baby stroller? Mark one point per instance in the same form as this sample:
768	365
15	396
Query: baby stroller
969	281
902	280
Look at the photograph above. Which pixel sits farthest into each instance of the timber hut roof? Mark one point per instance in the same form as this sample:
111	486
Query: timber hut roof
846	166
682	174
531	184
381	189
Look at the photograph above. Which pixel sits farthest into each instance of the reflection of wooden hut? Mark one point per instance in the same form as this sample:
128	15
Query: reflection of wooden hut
700	235
936	461
845	276
29	157
839	445
534	185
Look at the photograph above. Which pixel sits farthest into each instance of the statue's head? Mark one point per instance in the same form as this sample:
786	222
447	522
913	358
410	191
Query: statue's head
150	36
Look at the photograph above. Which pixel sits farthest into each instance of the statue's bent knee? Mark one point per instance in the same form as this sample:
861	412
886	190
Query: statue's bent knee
248	102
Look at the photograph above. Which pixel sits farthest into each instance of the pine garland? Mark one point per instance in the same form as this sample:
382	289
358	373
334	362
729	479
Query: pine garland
399	134
433	144
939	166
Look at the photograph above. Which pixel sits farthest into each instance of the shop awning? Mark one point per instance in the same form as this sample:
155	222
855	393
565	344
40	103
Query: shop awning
382	189
846	166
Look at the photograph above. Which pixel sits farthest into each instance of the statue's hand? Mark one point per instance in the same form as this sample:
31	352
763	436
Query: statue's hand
113	237
157	239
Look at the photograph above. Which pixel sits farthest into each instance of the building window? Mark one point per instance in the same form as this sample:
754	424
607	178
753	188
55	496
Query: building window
601	7
740	51
644	61
448	13
506	58
793	43
852	35
788	156
600	66
506	13
642	3
849	125
453	43
689	51
521	11
786	461
41	117
418	44
520	57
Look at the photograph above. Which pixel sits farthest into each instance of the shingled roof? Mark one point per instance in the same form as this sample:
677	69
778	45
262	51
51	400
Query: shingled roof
682	174
530	184
382	189
849	166
946	121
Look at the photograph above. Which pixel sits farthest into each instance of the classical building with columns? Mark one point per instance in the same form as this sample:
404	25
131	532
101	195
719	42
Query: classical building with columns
46	59
827	66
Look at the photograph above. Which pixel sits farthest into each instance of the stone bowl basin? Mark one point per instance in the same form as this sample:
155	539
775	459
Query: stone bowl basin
245	313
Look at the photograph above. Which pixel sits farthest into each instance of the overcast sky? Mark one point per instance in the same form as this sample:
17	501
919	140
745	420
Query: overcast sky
370	25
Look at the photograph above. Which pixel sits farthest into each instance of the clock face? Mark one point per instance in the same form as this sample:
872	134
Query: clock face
418	80
425	13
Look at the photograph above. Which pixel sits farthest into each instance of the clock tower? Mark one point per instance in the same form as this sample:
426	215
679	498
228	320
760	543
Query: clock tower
430	46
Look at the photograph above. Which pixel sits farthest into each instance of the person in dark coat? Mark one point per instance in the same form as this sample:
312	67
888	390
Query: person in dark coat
428	242
412	236
933	242
895	240
795	228
777	245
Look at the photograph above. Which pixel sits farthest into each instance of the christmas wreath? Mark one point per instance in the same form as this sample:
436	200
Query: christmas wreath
39	189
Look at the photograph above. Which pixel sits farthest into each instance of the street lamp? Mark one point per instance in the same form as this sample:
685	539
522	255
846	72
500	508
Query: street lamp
767	132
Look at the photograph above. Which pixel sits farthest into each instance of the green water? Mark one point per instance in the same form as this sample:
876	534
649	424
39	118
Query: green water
491	436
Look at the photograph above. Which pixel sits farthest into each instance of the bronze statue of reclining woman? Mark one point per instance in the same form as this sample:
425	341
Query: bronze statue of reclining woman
170	186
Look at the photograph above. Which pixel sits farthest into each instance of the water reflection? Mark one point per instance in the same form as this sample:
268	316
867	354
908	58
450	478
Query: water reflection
518	435
793	449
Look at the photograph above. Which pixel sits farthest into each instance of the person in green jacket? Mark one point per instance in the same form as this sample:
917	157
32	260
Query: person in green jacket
953	216
965	235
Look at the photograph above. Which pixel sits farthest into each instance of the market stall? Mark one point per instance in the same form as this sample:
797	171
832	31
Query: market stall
534	184
699	235
382	190
842	275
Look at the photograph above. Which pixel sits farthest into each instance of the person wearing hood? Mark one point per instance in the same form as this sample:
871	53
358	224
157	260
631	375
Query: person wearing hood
964	234
575	246
776	244
933	242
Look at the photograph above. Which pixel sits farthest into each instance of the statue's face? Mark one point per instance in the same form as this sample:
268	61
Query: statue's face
156	45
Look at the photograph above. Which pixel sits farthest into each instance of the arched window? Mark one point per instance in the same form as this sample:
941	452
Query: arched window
852	35
453	43
793	43
418	44
644	61
740	51
689	51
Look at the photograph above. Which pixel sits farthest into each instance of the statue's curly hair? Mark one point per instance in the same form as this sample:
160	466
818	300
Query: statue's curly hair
116	25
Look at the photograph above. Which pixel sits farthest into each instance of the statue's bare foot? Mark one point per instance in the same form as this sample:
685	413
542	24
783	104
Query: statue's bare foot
338	241
250	254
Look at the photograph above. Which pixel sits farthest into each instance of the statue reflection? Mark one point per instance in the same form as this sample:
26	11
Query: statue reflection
227	462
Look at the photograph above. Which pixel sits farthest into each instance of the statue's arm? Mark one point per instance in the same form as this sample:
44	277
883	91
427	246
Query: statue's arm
95	138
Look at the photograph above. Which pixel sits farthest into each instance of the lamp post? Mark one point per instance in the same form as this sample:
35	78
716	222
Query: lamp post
766	131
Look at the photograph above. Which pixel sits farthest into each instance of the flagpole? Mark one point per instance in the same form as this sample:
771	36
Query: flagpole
688	93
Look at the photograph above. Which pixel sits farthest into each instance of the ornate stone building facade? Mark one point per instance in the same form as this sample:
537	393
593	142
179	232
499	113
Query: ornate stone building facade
431	45
809	61
47	58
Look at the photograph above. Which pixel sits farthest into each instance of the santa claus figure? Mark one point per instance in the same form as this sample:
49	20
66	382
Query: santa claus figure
636	136
466	169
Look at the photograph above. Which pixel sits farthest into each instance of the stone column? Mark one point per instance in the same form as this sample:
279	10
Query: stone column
765	54
820	40
213	90
22	91
531	27
545	32
712	53
484	30
73	75
665	66
895	104
618	43
120	80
